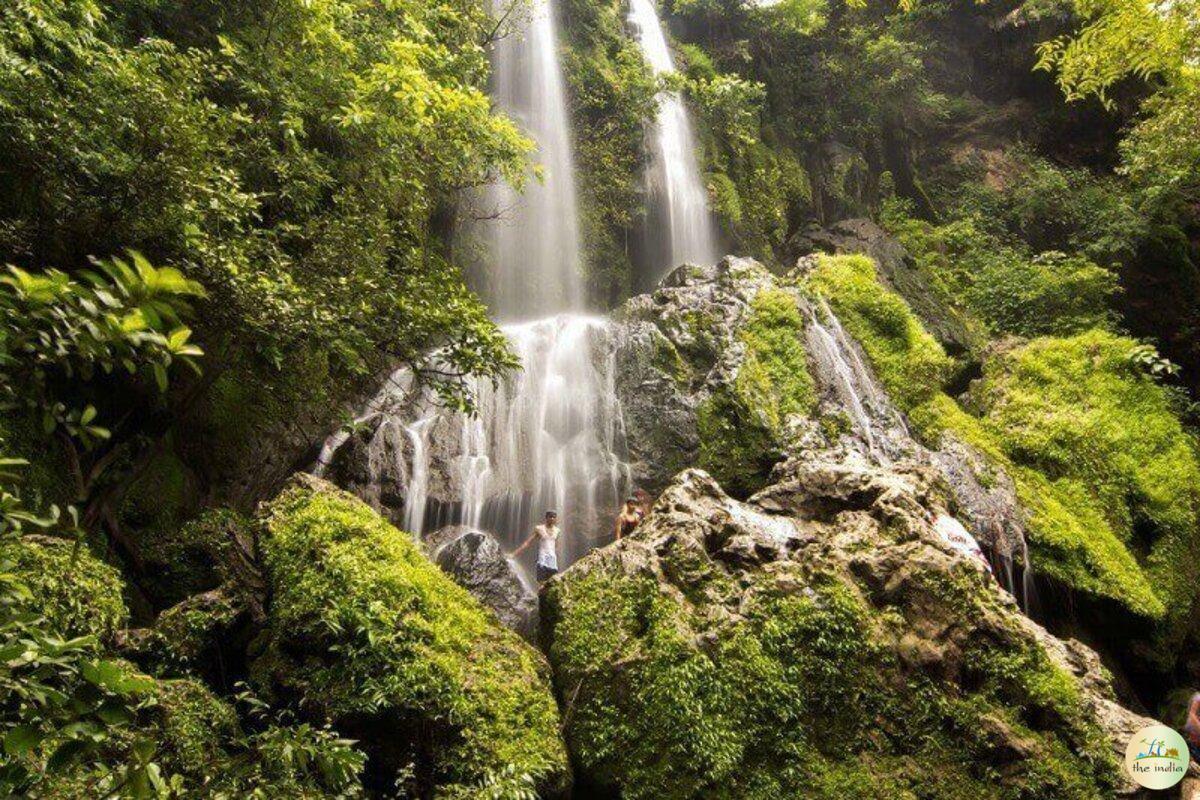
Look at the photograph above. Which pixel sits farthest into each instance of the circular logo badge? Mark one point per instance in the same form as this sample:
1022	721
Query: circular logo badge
1157	757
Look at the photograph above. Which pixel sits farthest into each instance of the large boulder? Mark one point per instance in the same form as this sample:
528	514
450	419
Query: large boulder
711	370
364	632
476	562
820	640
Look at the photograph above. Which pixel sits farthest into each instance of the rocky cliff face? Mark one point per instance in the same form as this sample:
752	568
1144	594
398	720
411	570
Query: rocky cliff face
733	369
820	639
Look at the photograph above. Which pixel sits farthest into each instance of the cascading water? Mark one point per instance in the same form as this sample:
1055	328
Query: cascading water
681	225
840	369
549	436
533	264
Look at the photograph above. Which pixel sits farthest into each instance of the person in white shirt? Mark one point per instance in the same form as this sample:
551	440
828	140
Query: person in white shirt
546	535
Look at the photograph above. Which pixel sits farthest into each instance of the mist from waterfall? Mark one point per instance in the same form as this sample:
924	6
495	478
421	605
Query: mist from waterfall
533	261
680	227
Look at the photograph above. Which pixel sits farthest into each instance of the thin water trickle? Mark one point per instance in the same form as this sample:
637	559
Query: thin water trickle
686	234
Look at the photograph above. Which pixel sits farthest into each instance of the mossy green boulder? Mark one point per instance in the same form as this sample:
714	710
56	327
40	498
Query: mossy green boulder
1106	472
819	641
77	593
363	631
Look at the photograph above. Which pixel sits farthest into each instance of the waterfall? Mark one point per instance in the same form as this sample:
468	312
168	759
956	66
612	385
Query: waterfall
533	263
681	226
549	436
841	373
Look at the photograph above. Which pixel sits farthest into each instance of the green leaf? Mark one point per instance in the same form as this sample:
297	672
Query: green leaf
21	740
67	752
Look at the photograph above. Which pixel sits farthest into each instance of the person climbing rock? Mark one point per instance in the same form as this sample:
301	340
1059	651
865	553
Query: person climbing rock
1191	728
546	535
629	518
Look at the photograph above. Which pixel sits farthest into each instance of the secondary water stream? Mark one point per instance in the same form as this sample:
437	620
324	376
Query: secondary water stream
681	228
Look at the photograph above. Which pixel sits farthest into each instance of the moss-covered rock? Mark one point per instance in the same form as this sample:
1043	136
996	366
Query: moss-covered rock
185	558
1102	462
78	594
910	363
735	445
774	380
818	641
365	632
712	369
1094	447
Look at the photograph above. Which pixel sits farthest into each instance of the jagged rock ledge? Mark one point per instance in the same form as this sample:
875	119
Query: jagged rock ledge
819	640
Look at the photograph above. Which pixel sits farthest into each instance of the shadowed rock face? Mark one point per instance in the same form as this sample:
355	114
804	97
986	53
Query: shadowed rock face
898	271
820	639
477	563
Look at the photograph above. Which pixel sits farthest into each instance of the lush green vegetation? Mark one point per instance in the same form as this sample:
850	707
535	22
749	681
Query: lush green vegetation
801	696
366	632
77	721
1082	424
221	221
283	166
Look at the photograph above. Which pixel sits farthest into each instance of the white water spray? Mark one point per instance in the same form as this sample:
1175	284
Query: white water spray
534	253
681	225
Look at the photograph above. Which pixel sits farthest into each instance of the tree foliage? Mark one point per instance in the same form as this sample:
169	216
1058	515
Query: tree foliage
292	156
1158	43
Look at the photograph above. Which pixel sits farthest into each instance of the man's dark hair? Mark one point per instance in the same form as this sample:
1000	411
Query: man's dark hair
551	513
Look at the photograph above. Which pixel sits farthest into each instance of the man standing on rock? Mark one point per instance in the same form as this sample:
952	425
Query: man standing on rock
546	536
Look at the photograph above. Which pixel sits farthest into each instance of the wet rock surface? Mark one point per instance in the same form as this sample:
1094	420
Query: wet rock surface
816	623
476	562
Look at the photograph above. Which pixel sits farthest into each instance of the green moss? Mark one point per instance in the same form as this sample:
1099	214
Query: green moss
666	360
1096	451
799	698
78	593
736	447
774	379
911	365
195	729
1070	538
1080	412
363	626
1102	463
185	633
